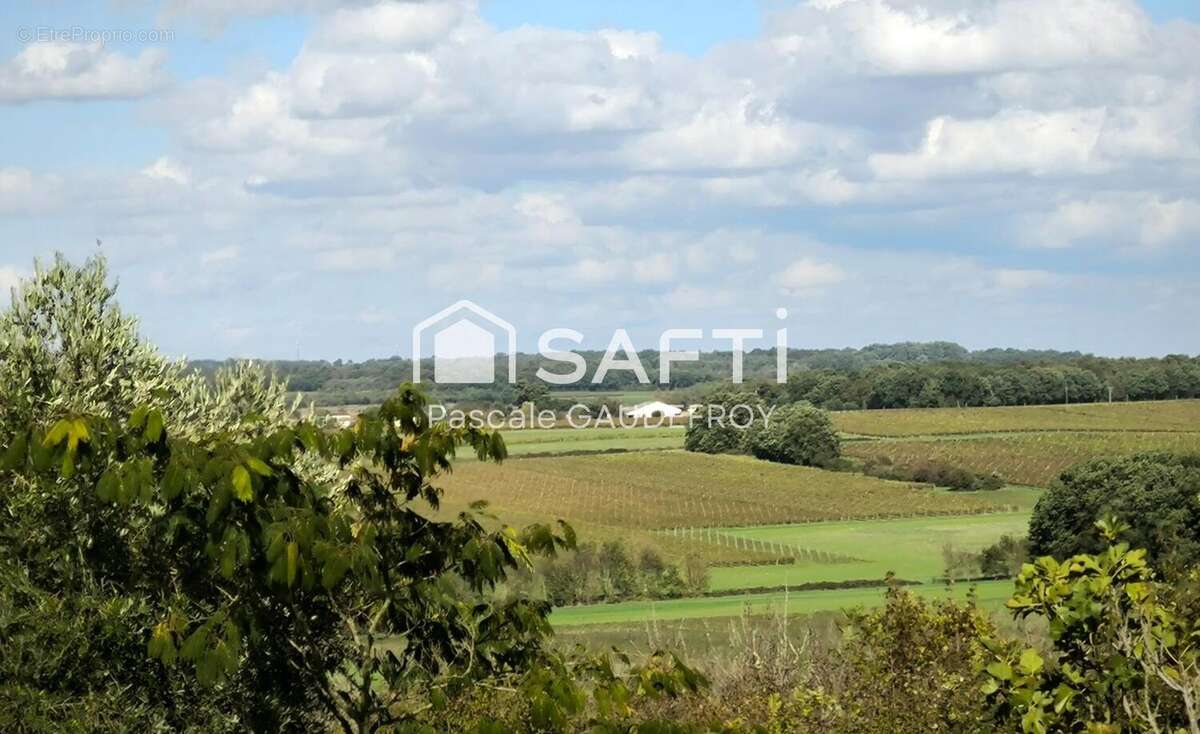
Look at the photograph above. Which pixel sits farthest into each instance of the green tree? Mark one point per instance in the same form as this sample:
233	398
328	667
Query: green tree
1156	494
66	347
531	391
720	427
276	590
1124	655
795	434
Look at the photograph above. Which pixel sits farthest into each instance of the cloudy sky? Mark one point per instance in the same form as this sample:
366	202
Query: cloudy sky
314	177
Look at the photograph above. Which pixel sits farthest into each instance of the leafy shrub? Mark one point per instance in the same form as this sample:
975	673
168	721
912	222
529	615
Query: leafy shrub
714	431
795	434
1005	557
606	573
1156	494
938	473
1124	654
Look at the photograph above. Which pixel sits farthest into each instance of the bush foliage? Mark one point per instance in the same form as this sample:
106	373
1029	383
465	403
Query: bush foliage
795	434
1156	494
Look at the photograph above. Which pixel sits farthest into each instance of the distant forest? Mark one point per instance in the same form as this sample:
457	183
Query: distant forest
904	375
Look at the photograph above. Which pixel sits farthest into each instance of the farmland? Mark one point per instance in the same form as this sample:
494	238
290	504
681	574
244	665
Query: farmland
1033	459
868	549
1171	416
760	525
674	489
988	593
566	440
680	503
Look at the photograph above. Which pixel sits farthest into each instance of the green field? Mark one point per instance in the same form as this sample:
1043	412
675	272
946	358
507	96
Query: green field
1167	415
909	548
571	440
990	594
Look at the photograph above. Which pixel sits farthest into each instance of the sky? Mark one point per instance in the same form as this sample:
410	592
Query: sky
313	178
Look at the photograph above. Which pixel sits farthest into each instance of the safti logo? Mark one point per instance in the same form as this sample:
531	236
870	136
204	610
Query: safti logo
464	347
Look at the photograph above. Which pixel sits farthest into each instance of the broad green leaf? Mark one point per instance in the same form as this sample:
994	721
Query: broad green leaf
173	481
1000	670
243	487
58	433
154	426
259	467
109	485
137	420
1031	663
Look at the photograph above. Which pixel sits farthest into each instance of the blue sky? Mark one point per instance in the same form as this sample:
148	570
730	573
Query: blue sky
315	176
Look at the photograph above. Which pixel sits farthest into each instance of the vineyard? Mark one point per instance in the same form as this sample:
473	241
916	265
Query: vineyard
762	525
1030	459
910	548
684	503
674	489
1168	415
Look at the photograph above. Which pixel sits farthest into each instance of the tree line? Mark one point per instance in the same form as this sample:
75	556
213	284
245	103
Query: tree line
906	375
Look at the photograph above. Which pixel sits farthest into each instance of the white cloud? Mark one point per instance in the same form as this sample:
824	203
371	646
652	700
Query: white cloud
215	13
582	165
1016	279
1016	141
697	298
356	258
50	70
1143	221
965	36
731	134
590	270
391	24
453	276
632	44
657	268
166	169
808	274
546	209
220	256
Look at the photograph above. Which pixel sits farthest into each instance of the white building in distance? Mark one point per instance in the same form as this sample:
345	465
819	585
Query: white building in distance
654	409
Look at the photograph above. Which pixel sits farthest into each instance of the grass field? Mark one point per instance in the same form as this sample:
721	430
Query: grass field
1033	459
911	548
1167	415
990	594
569	440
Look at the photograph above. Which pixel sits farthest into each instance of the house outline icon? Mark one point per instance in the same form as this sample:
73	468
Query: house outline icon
462	324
